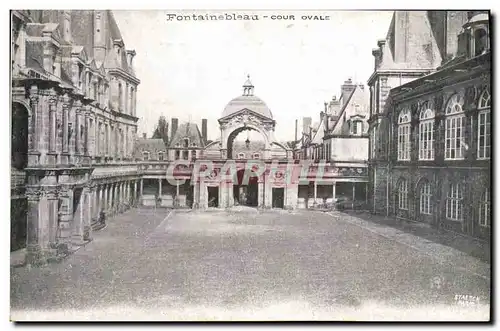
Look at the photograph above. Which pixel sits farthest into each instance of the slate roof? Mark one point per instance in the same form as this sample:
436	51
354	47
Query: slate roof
187	130
153	146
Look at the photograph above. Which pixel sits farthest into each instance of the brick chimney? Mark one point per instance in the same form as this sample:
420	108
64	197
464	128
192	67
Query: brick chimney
204	129
347	89
175	124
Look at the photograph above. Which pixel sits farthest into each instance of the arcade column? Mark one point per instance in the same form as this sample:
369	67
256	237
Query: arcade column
65	215
37	247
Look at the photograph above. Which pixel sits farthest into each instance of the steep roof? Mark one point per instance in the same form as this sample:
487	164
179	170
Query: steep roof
153	146
187	130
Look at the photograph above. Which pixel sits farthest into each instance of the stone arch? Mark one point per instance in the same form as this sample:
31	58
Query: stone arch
231	133
21	134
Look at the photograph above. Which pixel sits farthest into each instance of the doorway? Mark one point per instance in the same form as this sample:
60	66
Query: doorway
246	193
278	197
213	196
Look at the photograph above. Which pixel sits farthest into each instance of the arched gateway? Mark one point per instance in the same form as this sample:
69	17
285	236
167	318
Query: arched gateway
246	112
244	177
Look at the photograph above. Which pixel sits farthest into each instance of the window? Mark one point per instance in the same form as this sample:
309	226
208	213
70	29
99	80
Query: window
160	156
404	127
426	141
357	127
480	42
374	141
454	202
425	199
177	155
185	155
120	96
145	156
193	145
186	142
484	209
193	154
403	194
241	155
454	129
484	126
256	155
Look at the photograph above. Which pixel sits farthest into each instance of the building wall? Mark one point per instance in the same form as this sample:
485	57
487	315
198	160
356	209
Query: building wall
349	149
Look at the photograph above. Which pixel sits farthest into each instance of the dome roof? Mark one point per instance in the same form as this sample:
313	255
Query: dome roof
247	101
250	102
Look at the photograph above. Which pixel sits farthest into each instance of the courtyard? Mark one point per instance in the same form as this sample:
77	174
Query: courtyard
247	264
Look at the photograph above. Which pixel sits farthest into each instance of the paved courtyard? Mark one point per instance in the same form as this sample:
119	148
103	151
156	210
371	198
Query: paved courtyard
245	264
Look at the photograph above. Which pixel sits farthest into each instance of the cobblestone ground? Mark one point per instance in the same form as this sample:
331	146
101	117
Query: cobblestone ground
274	265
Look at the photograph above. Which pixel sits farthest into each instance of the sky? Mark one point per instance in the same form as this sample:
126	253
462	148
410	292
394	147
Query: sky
191	69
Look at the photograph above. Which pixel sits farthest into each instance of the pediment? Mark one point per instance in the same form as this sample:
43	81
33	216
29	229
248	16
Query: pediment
245	112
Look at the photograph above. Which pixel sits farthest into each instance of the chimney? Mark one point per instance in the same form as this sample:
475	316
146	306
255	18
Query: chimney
144	135
204	130
296	128
175	123
334	107
99	36
306	125
347	89
130	57
67	26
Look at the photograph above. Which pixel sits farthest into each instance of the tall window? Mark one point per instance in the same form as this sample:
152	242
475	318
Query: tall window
160	156
193	154
403	194
455	125
454	202
185	155
357	127
426	141
480	42
145	156
484	126
120	97
425	199
404	135
177	154
186	142
484	209
374	141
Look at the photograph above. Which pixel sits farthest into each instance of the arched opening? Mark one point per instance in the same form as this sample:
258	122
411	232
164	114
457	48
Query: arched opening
19	161
19	135
250	143
246	188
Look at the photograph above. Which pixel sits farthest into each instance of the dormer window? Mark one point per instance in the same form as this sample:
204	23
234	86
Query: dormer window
241	156
480	41
178	145
356	127
160	156
186	142
193	145
145	156
256	155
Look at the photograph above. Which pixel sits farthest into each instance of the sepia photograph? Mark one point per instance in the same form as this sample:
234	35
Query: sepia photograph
250	165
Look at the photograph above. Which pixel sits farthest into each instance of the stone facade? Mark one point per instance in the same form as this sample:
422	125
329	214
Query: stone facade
73	123
430	160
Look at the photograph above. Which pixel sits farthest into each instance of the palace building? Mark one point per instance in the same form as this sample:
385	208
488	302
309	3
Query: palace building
339	141
74	123
430	157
